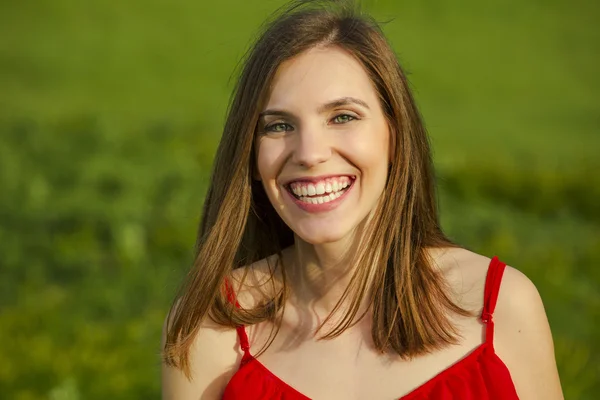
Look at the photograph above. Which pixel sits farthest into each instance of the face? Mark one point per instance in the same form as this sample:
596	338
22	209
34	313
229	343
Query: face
323	145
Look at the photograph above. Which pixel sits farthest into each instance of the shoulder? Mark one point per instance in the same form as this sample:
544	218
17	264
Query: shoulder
522	336
214	353
519	308
213	358
465	273
523	339
519	315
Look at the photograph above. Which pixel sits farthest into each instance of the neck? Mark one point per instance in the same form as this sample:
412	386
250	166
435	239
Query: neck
320	274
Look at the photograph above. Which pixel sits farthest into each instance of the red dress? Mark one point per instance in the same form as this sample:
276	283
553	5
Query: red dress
481	375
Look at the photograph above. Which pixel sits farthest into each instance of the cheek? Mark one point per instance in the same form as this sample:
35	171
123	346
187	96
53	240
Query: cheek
371	149
270	159
266	159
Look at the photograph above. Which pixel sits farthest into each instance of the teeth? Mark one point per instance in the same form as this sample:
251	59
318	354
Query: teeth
320	188
320	192
321	199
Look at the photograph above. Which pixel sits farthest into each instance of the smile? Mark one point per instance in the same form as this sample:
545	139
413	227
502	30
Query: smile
320	191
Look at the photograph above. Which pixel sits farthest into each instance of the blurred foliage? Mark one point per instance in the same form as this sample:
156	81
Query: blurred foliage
109	118
97	227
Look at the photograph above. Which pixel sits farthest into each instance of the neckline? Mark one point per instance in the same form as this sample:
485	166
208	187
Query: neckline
425	385
488	342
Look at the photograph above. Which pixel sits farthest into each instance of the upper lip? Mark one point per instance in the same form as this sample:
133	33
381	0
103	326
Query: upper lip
315	179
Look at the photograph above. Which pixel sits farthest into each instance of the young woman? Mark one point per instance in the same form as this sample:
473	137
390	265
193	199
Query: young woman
321	269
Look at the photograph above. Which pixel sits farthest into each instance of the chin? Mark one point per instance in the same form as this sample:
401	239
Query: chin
322	236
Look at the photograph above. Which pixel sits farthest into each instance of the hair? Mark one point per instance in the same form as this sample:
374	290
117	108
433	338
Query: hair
409	298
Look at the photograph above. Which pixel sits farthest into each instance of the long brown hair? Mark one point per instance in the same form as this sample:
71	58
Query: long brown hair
409	299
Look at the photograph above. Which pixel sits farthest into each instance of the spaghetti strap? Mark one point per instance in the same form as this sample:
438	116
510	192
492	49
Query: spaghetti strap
240	329
492	287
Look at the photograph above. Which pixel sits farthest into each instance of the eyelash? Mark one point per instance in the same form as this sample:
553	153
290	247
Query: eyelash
269	128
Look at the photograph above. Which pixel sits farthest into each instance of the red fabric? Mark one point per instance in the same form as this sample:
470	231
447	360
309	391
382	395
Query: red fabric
479	376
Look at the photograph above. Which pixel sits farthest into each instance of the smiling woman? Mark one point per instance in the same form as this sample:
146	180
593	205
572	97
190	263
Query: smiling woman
320	247
334	135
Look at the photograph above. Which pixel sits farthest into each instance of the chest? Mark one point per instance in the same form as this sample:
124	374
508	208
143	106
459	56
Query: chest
348	367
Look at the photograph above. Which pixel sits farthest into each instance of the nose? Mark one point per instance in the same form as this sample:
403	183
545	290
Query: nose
311	147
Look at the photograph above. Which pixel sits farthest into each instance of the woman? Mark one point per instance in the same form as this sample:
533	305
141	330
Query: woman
322	271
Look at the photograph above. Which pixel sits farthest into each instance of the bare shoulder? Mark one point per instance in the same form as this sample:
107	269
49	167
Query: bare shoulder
518	300
213	360
519	315
522	336
523	340
465	272
215	354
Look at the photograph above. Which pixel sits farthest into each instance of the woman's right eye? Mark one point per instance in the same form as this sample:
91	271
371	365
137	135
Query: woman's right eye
278	127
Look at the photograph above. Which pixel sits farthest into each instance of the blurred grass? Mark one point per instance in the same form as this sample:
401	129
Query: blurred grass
109	117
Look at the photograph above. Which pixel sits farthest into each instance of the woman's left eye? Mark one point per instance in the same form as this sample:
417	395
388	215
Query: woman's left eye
343	118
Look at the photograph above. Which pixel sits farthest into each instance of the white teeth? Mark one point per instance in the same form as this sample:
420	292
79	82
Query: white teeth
320	188
320	192
321	199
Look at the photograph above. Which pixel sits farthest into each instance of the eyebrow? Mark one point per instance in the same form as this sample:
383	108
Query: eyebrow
343	101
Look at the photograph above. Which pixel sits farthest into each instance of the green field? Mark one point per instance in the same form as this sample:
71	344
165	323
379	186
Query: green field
110	113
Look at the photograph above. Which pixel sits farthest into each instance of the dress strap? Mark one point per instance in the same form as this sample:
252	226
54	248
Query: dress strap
492	287
241	329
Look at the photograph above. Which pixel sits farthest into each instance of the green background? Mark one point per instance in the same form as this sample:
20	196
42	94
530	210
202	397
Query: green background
110	112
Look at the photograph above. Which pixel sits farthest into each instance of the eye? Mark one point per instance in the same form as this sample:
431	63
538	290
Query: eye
343	118
278	127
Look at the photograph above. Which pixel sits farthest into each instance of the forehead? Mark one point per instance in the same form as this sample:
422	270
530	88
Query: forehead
319	75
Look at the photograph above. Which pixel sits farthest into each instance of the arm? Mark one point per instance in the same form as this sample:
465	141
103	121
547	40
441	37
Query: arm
213	360
523	340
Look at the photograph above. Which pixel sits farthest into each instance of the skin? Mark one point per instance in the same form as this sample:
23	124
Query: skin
311	140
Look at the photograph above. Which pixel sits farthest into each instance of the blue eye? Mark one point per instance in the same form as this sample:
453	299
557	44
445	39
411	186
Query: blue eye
278	127
343	118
